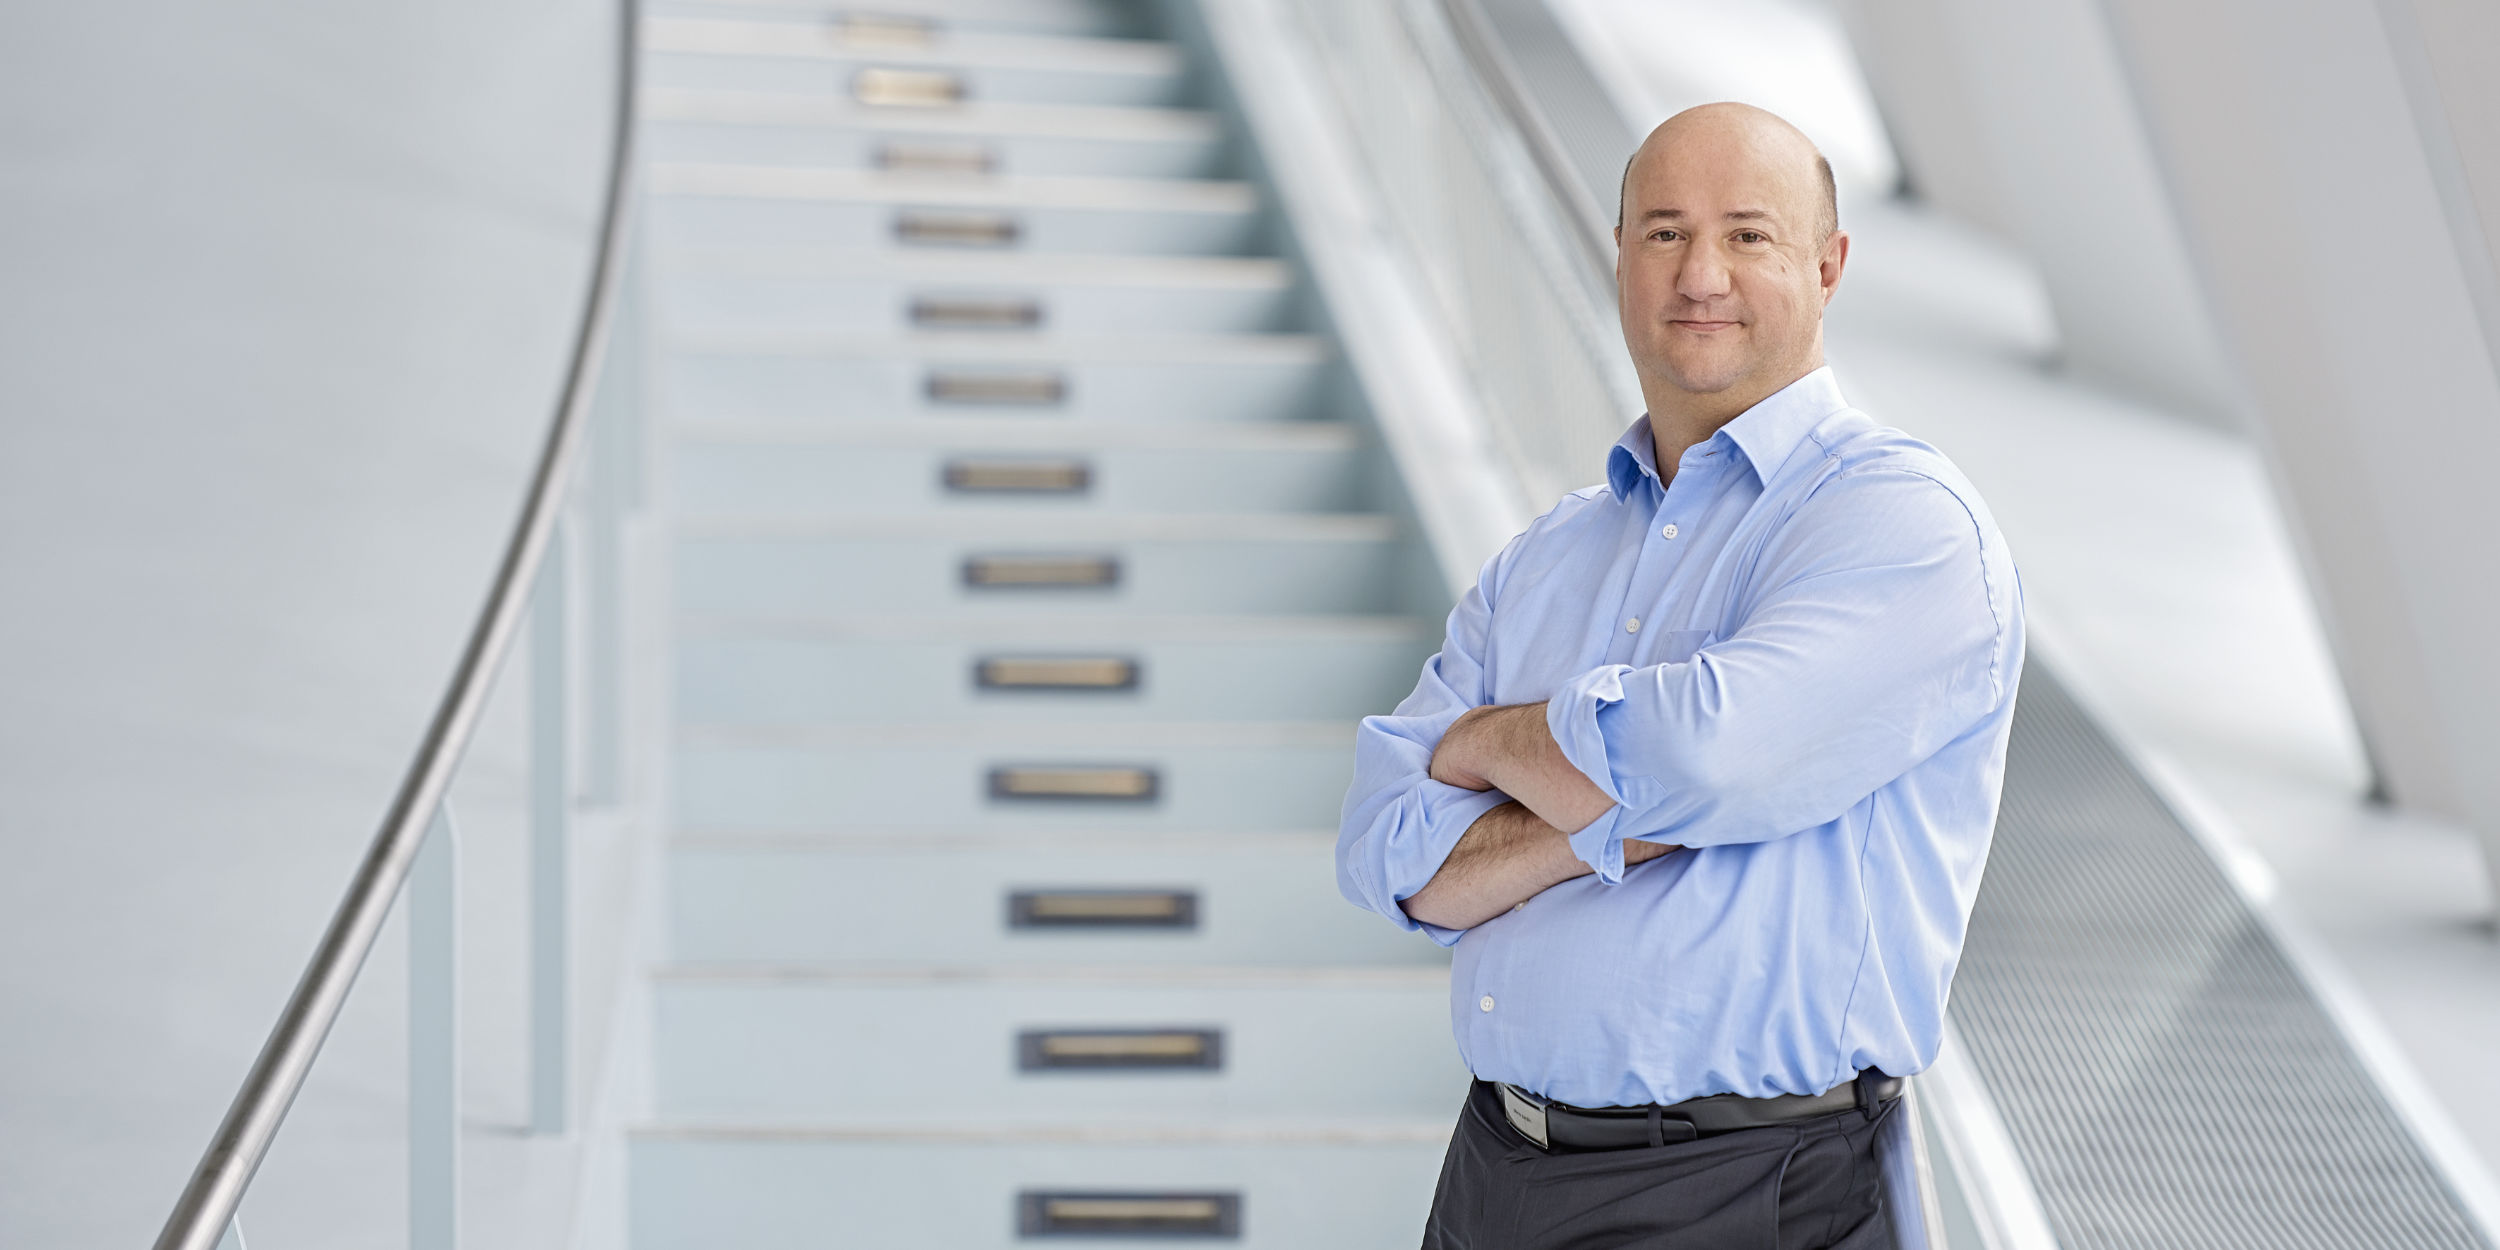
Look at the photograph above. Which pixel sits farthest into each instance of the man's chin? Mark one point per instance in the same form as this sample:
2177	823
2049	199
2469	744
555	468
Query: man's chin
1711	380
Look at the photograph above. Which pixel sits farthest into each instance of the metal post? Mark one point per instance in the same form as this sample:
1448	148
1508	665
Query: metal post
434	1039
233	1238
611	462
550	817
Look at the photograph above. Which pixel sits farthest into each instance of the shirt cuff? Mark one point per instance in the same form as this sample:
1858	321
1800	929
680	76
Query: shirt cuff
1449	812
1571	716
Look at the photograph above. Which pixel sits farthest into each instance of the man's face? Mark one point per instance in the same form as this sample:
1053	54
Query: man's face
1720	266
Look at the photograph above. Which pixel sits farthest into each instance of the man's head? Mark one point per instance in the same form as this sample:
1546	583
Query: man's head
1728	247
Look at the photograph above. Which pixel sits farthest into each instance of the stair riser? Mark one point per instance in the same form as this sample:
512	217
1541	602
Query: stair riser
915	1195
762	1050
715	302
738	787
685	220
799	576
1270	906
782	480
862	147
793	681
836	76
834	389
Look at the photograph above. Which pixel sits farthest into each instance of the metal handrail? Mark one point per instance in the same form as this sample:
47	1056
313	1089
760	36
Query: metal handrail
234	1154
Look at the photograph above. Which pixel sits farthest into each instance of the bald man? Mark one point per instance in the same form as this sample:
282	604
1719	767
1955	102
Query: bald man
1703	776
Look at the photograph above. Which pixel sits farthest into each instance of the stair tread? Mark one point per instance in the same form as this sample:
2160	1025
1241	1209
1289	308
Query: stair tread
934	190
997	119
772	37
1016	735
1025	434
1305	841
1185	976
1282	1130
1004	528
997	347
1062	628
995	269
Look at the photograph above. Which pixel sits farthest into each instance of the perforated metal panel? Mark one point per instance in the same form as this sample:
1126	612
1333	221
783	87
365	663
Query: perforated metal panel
2167	1077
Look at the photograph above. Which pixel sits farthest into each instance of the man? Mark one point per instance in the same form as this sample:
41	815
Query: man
1701	782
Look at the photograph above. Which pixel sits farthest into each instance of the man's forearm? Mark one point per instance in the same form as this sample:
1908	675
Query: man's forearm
1509	749
1507	857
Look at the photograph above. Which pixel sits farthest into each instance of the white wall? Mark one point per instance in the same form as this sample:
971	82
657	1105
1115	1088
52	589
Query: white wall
2291	140
2019	118
284	294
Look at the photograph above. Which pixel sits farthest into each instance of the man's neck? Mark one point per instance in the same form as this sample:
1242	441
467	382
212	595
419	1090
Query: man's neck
1680	419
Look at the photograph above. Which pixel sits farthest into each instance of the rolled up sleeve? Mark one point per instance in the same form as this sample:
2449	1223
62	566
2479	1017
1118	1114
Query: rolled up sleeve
1399	825
1880	637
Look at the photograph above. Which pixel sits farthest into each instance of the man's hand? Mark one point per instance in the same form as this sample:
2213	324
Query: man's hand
1510	750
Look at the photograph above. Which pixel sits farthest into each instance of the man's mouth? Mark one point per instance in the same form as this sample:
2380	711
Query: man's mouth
1703	326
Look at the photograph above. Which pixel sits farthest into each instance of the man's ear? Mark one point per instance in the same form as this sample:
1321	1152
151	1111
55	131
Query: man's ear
1835	259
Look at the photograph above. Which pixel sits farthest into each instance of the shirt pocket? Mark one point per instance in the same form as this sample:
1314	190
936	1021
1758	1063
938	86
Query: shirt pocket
1678	645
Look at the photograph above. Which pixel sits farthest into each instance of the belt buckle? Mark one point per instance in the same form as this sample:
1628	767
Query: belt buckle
1526	1112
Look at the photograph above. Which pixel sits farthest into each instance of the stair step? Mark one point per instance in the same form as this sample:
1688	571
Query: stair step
889	377
851	61
814	290
789	478
1283	564
702	205
1053	17
769	128
1123	776
861	674
1052	1045
1263	898
1326	1187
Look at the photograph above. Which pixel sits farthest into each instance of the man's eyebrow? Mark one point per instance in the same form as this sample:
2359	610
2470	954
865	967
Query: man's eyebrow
1741	214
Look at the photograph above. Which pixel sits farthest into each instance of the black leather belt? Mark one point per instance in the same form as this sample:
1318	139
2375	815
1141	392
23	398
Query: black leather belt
1561	1126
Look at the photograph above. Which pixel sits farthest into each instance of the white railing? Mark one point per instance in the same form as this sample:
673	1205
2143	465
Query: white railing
415	852
1519	271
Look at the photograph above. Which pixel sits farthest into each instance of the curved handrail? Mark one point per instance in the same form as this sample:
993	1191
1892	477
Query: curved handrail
216	1187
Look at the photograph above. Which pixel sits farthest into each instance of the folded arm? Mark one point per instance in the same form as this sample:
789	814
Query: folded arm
1507	857
1881	634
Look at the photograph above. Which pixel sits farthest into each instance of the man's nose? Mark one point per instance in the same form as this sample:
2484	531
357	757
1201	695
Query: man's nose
1703	275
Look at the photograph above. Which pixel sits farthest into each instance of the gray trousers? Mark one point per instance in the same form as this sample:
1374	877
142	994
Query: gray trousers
1812	1185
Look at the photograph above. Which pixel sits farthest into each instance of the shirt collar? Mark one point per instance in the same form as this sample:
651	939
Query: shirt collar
1766	433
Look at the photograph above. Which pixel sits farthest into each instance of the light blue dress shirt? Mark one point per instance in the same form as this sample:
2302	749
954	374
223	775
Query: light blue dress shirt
1799	662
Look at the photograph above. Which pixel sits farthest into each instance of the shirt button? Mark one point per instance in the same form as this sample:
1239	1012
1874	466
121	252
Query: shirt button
1668	532
1632	626
1485	1003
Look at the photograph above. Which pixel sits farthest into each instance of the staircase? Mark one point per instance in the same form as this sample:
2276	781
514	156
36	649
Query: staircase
1032	562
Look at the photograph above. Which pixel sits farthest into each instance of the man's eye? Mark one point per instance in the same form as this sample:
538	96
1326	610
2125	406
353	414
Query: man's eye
1749	236
1662	235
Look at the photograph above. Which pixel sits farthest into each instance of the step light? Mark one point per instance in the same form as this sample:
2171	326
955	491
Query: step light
1028	388
1081	783
1018	477
1128	1214
1051	673
944	312
936	228
937	158
885	30
1042	572
1120	1050
882	87
1102	909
